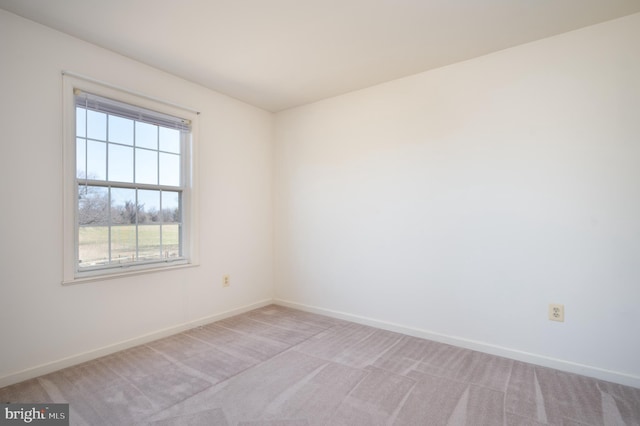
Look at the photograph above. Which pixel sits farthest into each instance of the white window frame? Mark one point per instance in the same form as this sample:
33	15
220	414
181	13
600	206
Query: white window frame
190	244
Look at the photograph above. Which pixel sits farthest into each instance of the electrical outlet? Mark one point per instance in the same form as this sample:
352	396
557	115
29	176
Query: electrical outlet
226	281
556	312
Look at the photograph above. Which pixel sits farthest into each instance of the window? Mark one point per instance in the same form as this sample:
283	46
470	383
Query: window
132	192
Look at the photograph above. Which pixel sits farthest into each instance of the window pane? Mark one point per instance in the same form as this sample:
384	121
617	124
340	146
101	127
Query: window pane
170	207
146	166
96	160
81	122
93	205
171	241
169	169
149	206
96	125
93	214
120	130
123	206
120	163
146	135
81	158
149	242
169	140
123	243
93	246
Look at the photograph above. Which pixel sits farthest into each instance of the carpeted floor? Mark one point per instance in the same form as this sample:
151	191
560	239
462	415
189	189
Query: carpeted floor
279	366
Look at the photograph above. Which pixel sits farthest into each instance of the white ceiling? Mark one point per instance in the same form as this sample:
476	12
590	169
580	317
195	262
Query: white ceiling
277	54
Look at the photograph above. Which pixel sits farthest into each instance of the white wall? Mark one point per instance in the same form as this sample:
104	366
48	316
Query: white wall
43	322
458	203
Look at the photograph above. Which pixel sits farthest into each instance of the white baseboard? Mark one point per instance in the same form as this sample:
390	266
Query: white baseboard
545	361
50	367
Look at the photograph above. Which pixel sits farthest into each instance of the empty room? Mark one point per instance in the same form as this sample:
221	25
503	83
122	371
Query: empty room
296	213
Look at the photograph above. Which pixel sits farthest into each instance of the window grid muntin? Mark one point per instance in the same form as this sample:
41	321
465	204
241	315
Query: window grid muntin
162	253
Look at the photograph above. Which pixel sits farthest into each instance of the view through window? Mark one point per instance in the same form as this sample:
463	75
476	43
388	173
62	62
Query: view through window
130	183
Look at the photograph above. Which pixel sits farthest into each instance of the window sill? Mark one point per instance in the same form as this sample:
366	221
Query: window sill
120	274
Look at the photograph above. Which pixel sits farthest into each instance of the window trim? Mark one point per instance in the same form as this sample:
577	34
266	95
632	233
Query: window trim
71	274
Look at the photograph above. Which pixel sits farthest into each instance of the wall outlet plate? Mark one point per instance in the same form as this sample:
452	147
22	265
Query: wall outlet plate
226	281
556	312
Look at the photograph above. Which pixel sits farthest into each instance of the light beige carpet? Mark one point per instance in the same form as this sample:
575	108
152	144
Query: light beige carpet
279	366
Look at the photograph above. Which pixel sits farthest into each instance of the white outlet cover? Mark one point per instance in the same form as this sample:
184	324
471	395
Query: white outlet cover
556	312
